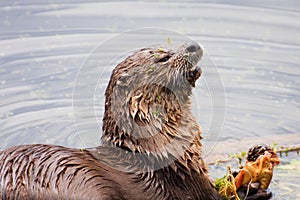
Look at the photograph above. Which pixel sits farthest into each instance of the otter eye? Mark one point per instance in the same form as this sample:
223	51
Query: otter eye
164	59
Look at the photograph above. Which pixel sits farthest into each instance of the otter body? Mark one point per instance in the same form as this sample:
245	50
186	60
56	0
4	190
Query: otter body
53	172
150	143
56	172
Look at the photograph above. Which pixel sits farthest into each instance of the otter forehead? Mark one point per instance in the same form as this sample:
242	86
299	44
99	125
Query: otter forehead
184	58
190	53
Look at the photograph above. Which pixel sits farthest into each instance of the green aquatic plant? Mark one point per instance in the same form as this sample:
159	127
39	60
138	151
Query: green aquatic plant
286	150
274	146
169	40
158	98
226	186
240	157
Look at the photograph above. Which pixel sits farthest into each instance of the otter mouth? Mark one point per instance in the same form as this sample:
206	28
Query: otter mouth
194	74
194	54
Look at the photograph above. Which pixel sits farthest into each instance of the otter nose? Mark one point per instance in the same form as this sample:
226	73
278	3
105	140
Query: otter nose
193	47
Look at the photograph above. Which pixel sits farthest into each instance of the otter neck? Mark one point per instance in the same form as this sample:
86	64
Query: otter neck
146	120
157	123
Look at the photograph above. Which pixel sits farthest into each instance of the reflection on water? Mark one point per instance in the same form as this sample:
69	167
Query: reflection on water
254	45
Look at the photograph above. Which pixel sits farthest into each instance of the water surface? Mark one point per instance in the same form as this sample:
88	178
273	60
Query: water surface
254	45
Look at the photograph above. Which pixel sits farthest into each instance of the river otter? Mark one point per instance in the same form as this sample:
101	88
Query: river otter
150	144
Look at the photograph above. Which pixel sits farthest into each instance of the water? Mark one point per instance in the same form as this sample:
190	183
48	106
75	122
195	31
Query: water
255	46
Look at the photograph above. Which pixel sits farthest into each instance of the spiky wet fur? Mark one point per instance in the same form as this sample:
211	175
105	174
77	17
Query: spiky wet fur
151	141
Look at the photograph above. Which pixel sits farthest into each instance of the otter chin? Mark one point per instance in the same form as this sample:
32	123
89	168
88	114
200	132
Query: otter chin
150	145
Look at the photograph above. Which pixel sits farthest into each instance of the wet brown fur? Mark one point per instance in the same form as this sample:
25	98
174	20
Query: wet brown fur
151	141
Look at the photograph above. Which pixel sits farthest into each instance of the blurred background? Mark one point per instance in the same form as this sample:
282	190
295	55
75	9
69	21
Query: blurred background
254	45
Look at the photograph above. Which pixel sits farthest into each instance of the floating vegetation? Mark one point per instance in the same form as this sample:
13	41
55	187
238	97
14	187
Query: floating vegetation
161	50
169	40
286	150
151	69
156	113
241	156
258	168
158	97
226	186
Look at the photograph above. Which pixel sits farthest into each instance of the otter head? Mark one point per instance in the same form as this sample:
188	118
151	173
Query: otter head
148	99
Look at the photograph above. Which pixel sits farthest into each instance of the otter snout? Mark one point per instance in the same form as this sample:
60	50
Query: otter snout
193	51
193	47
194	54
